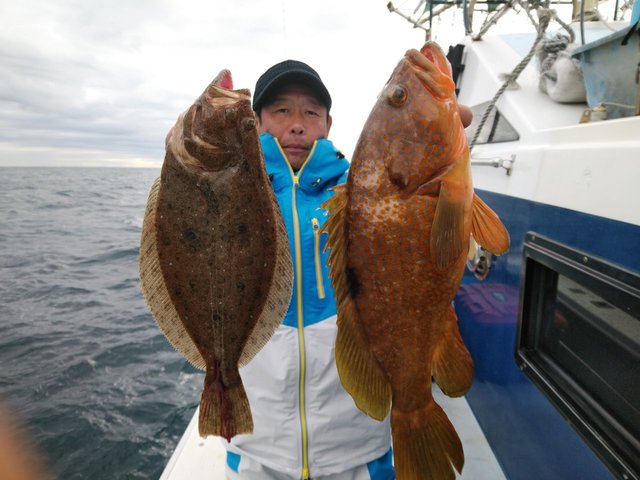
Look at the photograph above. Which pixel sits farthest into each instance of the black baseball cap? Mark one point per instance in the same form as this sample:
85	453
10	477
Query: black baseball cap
288	72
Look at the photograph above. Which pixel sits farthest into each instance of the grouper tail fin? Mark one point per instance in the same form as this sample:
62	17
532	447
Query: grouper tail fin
425	444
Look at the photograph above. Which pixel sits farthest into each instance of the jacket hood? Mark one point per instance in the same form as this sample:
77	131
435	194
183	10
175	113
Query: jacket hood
325	164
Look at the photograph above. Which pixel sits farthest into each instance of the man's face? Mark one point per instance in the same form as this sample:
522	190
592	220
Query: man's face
297	119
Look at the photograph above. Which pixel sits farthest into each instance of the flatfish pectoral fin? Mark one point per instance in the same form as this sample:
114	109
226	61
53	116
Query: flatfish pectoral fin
487	229
452	366
359	372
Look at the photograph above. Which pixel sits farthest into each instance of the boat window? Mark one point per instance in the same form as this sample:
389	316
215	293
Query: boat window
579	342
495	130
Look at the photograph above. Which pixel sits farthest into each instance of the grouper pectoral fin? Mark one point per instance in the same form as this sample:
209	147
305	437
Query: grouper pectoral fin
447	231
487	229
452	366
359	372
155	290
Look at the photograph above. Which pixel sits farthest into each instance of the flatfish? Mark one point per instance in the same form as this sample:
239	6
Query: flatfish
215	265
399	232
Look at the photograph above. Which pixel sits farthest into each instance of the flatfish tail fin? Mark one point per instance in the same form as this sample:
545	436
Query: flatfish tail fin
224	411
155	290
279	295
425	444
359	372
452	363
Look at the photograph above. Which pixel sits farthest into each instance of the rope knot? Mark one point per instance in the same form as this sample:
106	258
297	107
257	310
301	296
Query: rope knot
544	17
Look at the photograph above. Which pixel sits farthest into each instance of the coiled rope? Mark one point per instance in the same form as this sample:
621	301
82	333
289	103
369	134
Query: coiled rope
545	15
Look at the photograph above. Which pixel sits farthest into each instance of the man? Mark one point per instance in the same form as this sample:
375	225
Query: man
305	424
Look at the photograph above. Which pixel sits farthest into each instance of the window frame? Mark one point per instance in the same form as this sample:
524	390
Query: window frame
575	391
496	117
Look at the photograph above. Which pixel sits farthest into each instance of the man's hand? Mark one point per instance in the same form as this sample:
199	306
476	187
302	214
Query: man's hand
466	115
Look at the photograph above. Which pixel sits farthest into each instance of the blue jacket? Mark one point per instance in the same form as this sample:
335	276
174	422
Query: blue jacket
300	195
304	422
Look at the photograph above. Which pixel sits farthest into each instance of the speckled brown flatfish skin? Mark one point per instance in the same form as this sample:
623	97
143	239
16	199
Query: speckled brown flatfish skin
399	231
215	263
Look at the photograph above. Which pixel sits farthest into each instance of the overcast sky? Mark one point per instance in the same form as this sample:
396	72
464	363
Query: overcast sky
91	82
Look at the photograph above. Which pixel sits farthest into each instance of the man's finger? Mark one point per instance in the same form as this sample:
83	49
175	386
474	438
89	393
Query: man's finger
466	115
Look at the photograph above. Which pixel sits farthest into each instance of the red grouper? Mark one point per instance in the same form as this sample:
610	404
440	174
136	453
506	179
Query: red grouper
215	266
399	232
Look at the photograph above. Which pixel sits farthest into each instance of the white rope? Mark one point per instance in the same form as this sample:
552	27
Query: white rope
548	49
545	15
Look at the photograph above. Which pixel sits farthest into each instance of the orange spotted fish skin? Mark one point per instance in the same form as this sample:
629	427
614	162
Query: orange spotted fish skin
392	202
399	233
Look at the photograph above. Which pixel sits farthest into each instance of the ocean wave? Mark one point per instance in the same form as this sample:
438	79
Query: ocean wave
113	254
82	359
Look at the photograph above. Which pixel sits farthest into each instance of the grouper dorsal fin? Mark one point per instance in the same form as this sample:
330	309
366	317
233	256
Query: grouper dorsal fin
359	372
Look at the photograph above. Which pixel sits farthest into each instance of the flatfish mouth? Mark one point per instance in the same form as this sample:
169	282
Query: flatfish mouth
215	266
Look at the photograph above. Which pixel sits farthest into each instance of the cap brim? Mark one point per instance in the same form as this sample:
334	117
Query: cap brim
293	77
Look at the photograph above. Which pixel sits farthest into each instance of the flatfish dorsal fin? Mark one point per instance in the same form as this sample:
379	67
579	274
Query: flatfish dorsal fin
278	298
155	290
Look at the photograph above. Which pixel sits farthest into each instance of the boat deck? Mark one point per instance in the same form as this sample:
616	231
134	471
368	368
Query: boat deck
198	459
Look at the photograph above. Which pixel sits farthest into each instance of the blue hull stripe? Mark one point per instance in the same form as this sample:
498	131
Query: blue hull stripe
529	437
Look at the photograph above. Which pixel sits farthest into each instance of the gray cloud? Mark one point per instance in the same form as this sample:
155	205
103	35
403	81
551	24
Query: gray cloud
65	90
90	82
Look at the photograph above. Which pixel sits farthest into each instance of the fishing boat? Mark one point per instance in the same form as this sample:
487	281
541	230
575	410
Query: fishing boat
553	326
197	458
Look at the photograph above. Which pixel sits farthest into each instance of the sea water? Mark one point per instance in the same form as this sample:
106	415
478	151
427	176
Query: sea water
83	365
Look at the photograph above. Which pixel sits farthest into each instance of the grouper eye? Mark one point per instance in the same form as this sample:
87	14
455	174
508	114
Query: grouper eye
397	96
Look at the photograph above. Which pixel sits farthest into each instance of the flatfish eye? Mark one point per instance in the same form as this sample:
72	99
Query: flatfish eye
397	96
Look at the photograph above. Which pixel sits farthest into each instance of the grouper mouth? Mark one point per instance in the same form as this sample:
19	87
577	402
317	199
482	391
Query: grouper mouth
432	68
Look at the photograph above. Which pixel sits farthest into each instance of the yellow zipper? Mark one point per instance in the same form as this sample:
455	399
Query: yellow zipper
301	406
299	310
316	250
